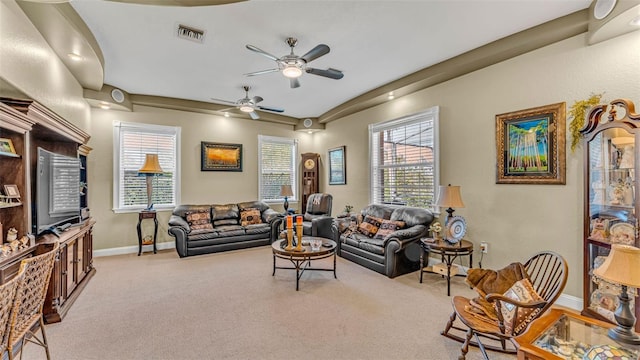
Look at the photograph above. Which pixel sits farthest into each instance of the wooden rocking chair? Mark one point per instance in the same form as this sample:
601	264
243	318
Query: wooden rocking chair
547	272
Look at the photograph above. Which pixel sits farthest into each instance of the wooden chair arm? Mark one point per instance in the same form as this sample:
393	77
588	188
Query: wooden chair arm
530	305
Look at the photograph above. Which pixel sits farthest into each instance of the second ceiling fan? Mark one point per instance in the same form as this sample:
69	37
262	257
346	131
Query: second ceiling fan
249	105
292	65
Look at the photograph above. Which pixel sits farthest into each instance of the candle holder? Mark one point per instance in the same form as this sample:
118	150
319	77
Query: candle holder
299	247
289	246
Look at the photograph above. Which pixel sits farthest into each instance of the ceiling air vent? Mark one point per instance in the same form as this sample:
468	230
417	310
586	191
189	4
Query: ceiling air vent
190	33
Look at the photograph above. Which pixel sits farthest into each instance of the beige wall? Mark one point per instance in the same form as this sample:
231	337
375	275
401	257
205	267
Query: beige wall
28	64
516	220
197	187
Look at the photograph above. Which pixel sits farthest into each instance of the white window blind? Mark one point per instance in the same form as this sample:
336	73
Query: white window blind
404	160
131	144
277	167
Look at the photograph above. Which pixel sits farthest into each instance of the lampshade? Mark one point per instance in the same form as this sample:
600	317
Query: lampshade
449	196
151	165
622	266
285	190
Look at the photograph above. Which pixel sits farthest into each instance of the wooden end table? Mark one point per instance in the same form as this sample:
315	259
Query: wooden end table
448	252
147	215
302	260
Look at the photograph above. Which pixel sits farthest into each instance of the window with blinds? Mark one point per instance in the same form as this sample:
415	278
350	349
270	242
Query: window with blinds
404	163
131	144
277	164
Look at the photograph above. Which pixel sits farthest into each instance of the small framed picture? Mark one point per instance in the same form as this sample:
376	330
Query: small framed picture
11	191
6	145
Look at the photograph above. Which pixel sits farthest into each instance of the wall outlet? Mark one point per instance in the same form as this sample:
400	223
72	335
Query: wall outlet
484	247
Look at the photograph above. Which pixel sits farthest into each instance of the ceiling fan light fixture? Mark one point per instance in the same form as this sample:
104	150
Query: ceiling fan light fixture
292	71
246	108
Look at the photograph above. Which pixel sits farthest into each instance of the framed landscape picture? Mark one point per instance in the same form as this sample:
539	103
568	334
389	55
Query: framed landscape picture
221	157
530	146
337	166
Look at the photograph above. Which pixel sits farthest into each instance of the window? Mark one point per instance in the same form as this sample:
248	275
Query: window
131	143
403	157
277	164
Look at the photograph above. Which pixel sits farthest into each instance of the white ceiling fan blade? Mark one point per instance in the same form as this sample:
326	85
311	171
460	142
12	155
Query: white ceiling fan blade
254	115
223	101
261	72
262	52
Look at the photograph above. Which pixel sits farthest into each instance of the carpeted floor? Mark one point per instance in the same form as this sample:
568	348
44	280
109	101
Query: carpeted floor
228	306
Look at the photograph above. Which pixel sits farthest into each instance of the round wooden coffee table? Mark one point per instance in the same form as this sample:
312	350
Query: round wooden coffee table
302	260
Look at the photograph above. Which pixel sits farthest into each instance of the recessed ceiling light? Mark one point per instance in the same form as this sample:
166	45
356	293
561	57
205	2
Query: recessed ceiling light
105	106
74	56
226	114
390	96
635	21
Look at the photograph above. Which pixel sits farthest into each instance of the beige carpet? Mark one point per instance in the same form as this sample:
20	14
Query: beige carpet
228	306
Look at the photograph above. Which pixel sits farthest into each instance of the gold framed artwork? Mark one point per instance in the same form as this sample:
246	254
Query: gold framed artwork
6	146
530	146
221	157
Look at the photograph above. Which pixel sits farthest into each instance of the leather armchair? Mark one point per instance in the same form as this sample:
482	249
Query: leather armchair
317	218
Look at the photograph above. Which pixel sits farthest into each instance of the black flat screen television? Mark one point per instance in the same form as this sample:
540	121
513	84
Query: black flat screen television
57	191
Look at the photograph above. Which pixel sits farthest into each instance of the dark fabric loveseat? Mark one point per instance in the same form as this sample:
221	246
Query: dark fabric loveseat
202	229
388	250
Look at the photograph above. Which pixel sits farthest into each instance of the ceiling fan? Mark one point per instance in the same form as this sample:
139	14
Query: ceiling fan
292	65
249	105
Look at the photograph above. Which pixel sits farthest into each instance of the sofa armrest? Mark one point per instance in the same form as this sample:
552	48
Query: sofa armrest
406	236
269	215
324	227
178	221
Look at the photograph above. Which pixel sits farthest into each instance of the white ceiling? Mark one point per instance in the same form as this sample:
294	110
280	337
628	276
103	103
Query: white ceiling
372	42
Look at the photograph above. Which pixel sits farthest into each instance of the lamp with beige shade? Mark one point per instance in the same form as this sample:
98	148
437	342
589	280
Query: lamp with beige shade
286	191
622	266
150	169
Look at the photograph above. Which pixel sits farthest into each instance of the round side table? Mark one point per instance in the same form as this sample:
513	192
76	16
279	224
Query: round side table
448	252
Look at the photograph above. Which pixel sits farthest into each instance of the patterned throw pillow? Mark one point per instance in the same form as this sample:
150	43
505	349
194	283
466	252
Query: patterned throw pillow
199	220
517	320
250	216
369	226
387	227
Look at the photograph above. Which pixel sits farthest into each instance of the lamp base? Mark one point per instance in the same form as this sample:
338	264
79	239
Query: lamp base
286	205
623	335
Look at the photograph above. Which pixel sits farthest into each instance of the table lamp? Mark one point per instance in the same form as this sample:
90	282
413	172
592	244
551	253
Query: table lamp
449	197
622	266
150	168
285	190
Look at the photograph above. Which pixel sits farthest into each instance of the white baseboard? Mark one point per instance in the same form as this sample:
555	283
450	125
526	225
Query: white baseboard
132	249
570	301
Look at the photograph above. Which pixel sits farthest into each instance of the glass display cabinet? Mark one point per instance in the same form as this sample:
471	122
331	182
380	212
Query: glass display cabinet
611	133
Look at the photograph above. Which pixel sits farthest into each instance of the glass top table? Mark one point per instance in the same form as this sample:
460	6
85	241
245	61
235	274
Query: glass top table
562	334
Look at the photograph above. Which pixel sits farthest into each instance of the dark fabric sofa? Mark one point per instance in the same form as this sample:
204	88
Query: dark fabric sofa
394	254
225	232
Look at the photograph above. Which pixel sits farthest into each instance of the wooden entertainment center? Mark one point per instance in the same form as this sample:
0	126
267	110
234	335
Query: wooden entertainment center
29	125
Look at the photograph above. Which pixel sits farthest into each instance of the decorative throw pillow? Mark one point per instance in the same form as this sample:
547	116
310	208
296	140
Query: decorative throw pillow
516	318
199	220
250	216
369	226
387	227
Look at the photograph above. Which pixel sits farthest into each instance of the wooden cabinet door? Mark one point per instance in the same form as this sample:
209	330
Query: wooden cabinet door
72	275
81	270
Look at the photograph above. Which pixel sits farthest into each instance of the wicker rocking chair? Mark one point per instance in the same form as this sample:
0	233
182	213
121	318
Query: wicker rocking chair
26	315
7	297
547	273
